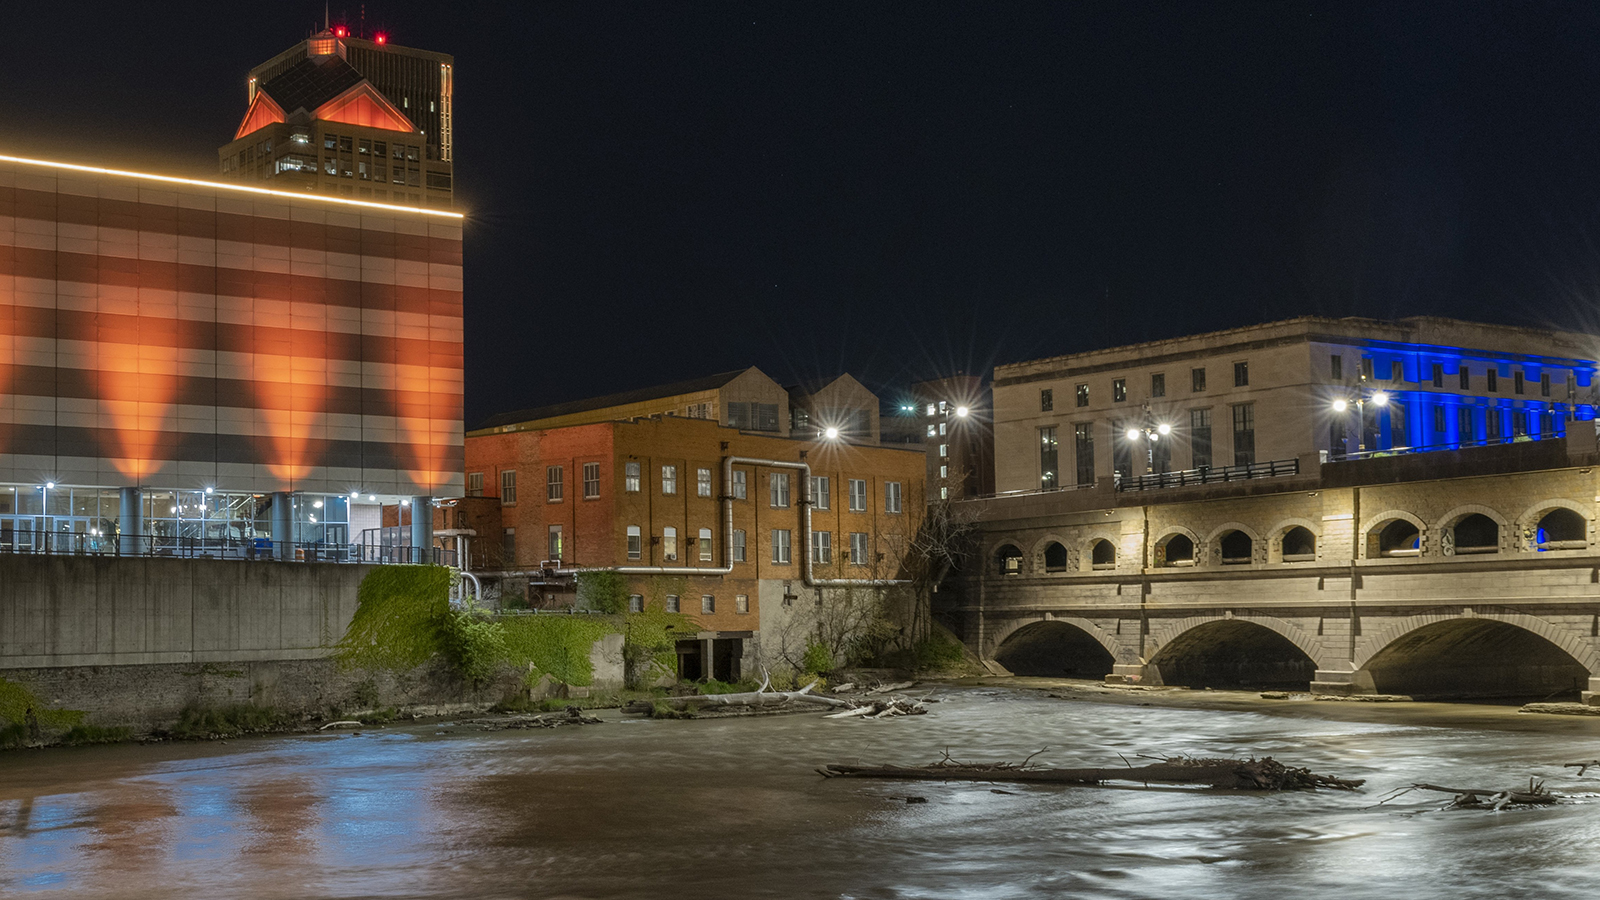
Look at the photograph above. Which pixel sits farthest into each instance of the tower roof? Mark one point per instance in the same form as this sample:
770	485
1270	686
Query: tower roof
312	82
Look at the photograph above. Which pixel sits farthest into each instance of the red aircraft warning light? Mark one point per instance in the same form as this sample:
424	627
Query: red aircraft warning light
341	31
381	38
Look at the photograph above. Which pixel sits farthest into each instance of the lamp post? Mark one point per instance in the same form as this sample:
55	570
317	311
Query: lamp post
1341	405
1150	432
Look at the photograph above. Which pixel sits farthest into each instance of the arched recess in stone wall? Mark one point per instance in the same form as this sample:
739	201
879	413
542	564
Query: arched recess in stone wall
1562	638
1158	552
1444	528
1367	536
1040	565
1233	653
1282	527
999	635
1213	544
995	559
1166	631
1086	549
1528	522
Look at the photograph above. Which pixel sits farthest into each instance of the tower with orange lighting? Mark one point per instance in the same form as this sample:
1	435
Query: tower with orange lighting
351	117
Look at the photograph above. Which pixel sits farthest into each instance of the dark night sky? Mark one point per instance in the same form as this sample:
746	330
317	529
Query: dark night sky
657	191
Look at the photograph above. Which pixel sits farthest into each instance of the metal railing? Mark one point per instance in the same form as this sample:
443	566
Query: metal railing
151	546
1029	492
1334	456
1277	468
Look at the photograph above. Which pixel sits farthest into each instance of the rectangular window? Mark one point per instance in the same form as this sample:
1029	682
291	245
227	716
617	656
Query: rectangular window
702	482
1047	400
635	542
822	547
739	415
591	480
672	603
1397	371
1492	375
932	431
778	489
740	488
1336	368
1464	429
741	604
1241	374
474	484
1438	423
553	483
555	546
1082	392
1544	384
820	491
635	603
780	546
891	496
705	545
766	416
1516	382
669	543
1083	441
858	495
1197	380
708	604
1244	434
1491	422
1047	458
630	477
1119	390
944	471
1122	452
1200	438
858	548
1366	368
1438	375
1465	374
508	487
942	427
1158	385
669	479
1519	422
944	450
738	545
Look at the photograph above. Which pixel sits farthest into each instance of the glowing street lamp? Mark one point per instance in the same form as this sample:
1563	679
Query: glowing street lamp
1150	433
1341	405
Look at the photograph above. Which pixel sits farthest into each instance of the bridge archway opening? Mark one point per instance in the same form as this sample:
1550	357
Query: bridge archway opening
1178	550
1237	548
1055	557
1476	533
1008	559
1562	529
1232	654
1054	650
1476	659
1103	555
1398	537
1299	545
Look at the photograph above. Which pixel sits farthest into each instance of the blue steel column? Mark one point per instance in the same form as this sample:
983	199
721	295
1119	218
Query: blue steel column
422	529
283	525
130	521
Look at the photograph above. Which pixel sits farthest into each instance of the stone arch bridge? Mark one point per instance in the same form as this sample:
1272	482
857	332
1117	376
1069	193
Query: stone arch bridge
1472	573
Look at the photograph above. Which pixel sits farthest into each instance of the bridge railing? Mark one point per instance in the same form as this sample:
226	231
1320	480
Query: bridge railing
153	546
1277	468
1336	456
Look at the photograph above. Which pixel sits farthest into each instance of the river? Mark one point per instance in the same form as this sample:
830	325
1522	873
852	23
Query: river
732	808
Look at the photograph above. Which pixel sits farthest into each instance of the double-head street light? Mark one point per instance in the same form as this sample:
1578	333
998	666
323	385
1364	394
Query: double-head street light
1341	405
1149	434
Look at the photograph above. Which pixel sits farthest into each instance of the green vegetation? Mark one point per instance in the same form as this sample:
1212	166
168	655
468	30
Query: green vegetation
80	735
817	659
605	592
555	645
25	719
226	721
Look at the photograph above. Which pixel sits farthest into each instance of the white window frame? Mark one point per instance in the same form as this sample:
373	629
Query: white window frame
708	604
891	497
555	483
556	542
740	485
822	547
859	549
474	484
672	603
669	544
635	542
820	489
858	495
630	478
741	604
739	545
782	547
703	482
669	479
508	487
705	545
591	481
778	484
636	603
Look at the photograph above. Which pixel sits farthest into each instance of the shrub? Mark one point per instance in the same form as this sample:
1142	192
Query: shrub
817	659
605	592
79	735
473	645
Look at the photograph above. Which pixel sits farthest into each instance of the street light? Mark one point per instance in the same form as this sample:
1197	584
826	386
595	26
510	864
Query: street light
831	433
961	412
1150	432
1378	398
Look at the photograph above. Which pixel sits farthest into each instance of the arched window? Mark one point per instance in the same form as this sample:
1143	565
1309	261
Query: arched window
1399	538
1562	529
1299	545
1237	548
1104	555
1178	551
1055	557
1009	559
1476	533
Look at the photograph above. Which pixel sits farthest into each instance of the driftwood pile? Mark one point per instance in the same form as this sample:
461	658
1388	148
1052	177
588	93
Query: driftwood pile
882	709
1265	774
1485	798
764	698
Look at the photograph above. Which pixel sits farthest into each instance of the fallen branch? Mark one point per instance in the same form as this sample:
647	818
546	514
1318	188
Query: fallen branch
891	688
759	697
1264	774
1582	766
1483	798
340	724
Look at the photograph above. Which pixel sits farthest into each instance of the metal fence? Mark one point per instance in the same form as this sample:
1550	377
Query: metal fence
1276	468
1337	456
151	546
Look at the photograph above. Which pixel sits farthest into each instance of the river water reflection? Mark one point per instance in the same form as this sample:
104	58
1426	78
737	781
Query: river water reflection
732	808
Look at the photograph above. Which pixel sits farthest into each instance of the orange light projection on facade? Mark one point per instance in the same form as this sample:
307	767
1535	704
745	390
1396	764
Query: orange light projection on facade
262	112
291	391
419	415
137	385
361	105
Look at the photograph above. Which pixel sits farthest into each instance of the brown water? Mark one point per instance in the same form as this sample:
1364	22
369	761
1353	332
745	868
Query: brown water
732	808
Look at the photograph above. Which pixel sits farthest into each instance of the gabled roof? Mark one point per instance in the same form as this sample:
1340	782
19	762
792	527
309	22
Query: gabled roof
312	82
262	112
326	88
363	105
640	395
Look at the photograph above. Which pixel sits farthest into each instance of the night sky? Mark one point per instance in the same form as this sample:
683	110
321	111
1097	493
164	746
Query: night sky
657	191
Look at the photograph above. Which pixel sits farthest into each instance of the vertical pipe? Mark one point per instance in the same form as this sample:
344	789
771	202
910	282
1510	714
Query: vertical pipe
283	525
422	529
130	521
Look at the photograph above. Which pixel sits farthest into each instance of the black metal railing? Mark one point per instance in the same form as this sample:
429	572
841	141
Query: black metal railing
1337	456
152	546
1276	468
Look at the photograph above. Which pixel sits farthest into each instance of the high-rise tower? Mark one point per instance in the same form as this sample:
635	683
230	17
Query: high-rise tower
349	116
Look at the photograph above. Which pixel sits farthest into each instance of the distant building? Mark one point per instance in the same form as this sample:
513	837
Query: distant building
363	119
1264	399
841	404
745	399
955	414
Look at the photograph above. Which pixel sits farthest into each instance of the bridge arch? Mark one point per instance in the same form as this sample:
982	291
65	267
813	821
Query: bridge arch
1527	525
1478	655
1060	647
1093	552
1232	652
1005	557
1228	544
1445	528
1281	529
1160	558
1372	536
1050	555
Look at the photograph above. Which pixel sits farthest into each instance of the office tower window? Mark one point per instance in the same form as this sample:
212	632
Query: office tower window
635	542
669	479
591	480
1241	374
1082	392
1244	434
780	546
1197	380
1158	385
553	483
508	487
778	488
1047	400
1048	464
858	495
702	482
1200	438
1119	390
1083	447
630	477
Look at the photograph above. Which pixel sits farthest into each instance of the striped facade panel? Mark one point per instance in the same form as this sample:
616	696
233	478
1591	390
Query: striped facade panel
185	335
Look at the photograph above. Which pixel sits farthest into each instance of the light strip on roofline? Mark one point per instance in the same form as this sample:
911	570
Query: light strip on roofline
230	187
